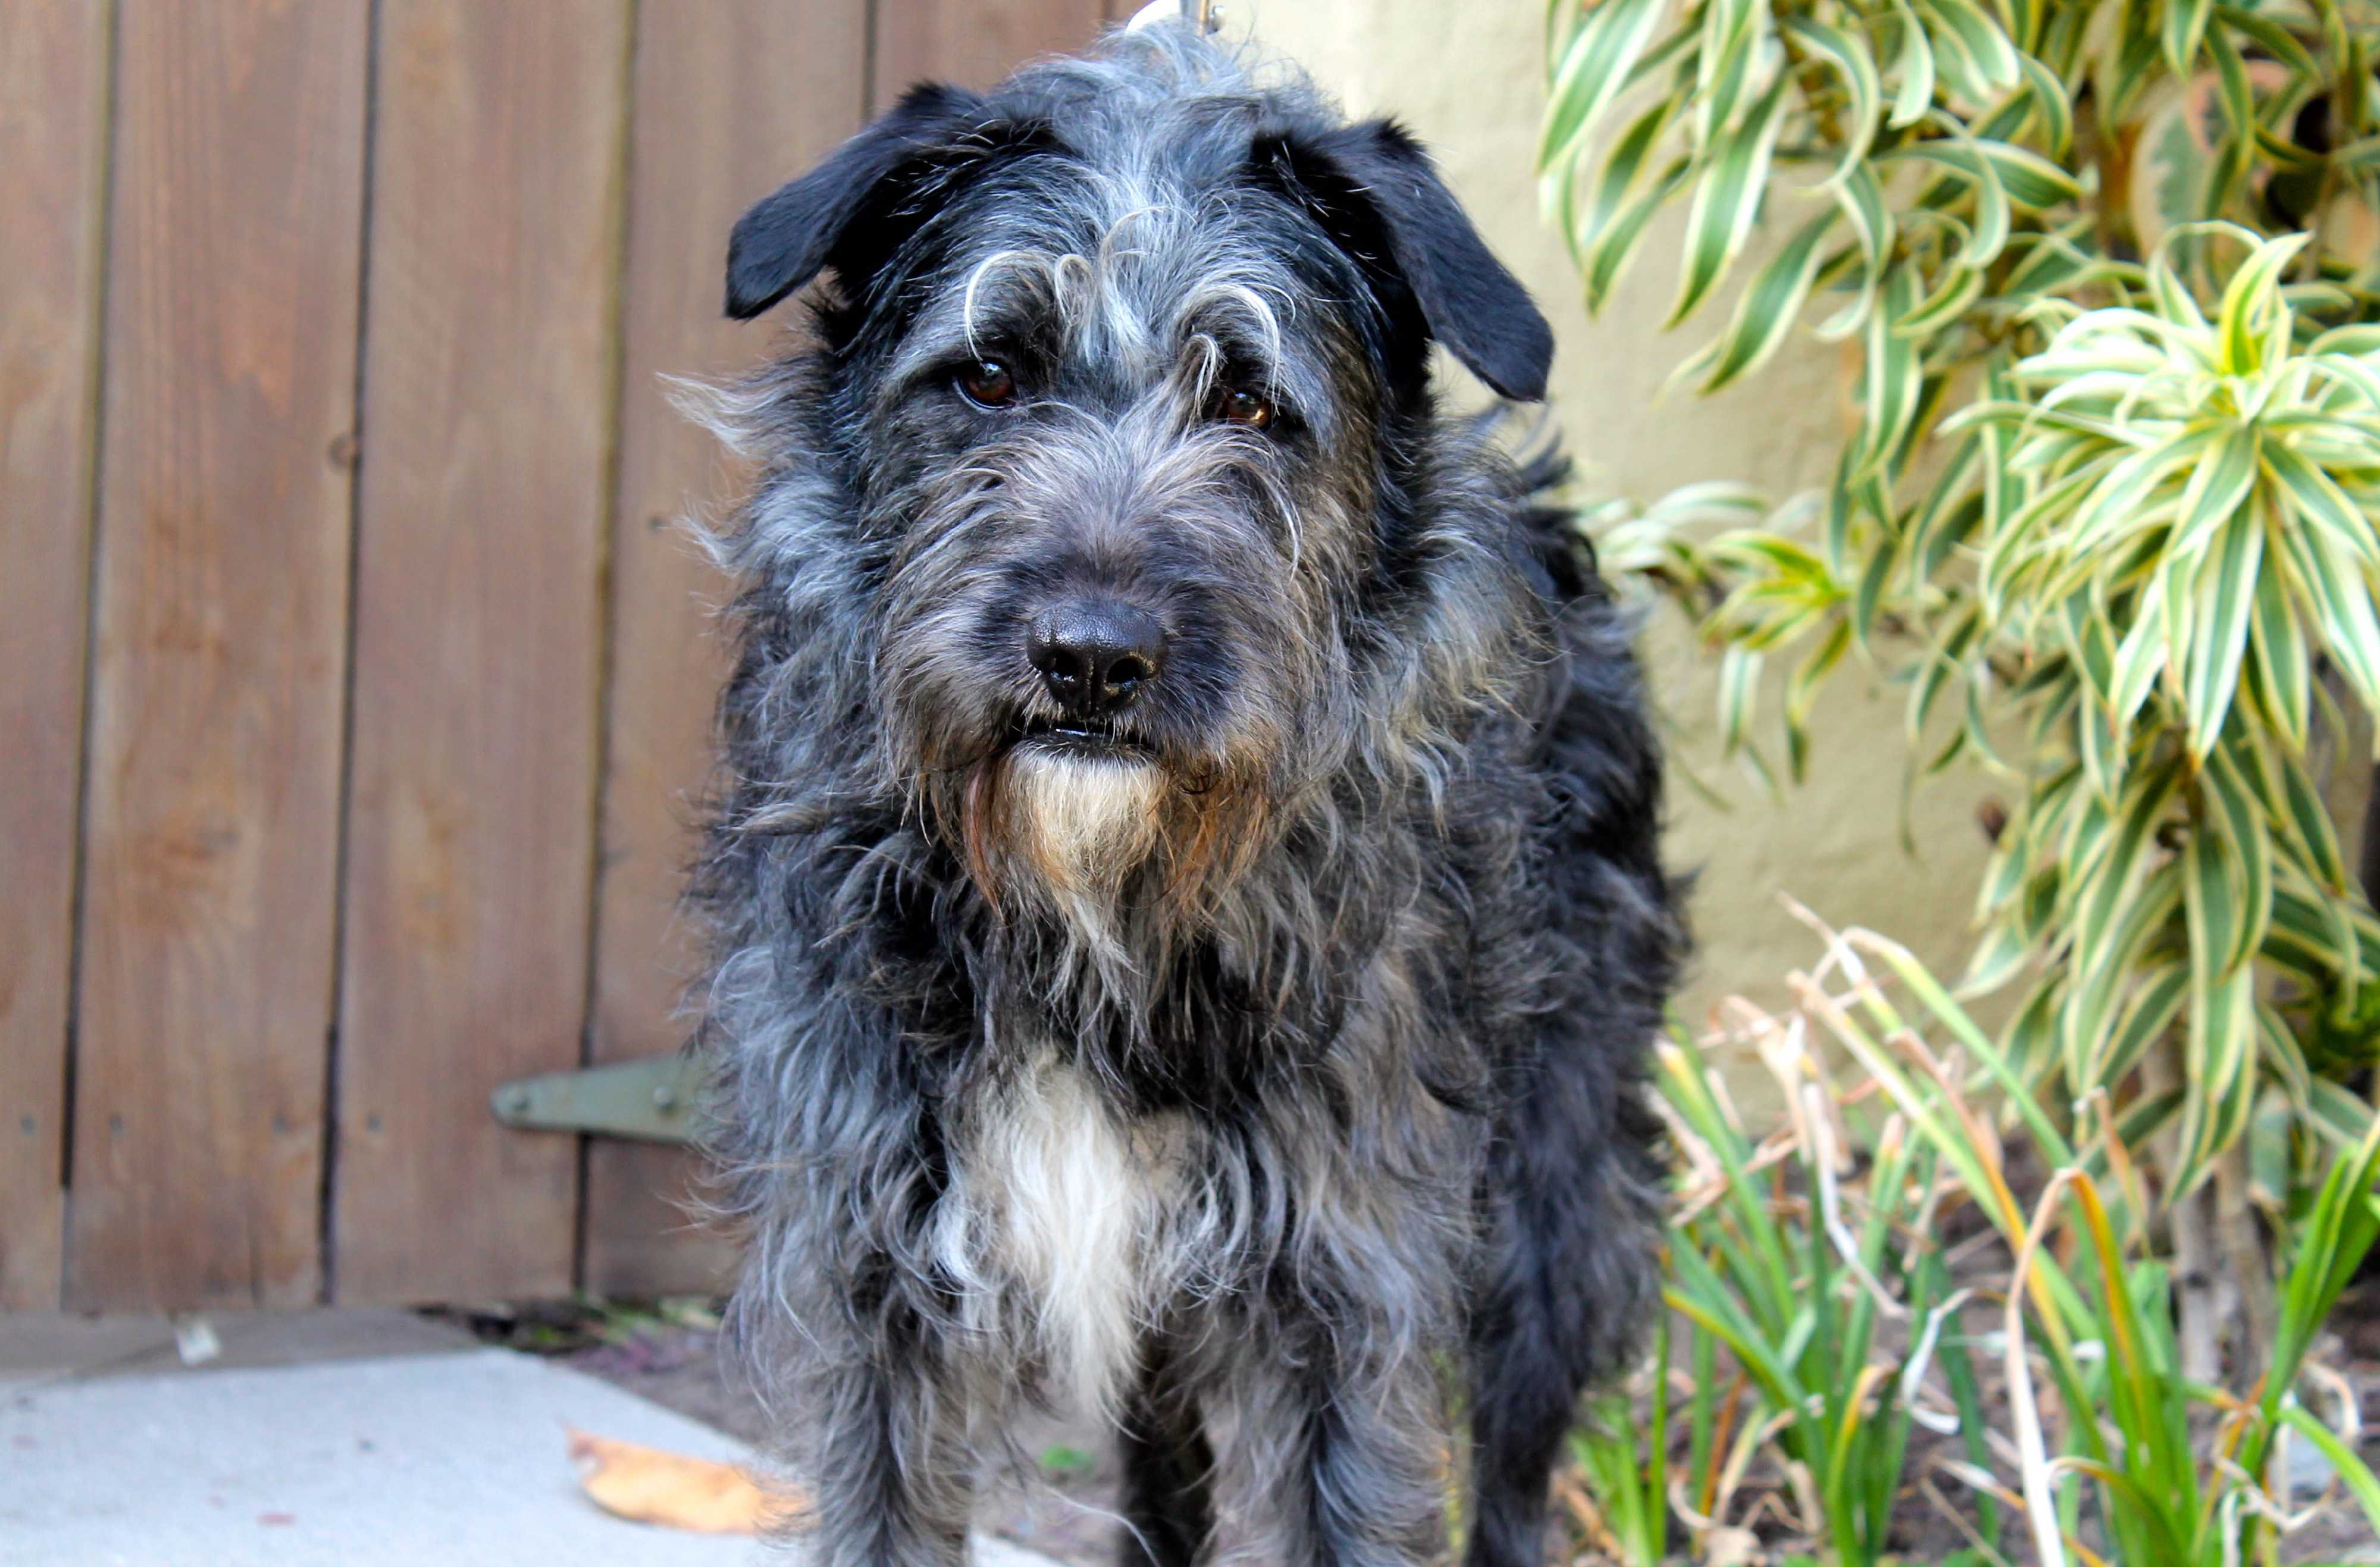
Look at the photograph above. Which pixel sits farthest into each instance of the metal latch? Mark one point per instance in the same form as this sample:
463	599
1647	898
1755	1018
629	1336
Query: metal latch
651	1098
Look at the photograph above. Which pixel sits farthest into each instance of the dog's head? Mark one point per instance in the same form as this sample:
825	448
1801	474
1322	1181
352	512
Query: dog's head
1118	381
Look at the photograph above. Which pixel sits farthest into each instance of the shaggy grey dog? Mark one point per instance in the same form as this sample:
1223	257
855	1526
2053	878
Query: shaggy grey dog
1187	911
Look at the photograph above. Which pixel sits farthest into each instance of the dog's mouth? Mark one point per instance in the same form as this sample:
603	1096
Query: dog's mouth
1081	736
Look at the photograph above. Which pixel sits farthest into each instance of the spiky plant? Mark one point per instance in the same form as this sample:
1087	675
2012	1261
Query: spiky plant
2106	511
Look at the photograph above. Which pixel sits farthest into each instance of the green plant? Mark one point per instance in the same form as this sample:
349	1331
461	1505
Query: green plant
2165	1496
2169	1493
2106	510
1774	1271
1626	1460
1815	1309
1831	1309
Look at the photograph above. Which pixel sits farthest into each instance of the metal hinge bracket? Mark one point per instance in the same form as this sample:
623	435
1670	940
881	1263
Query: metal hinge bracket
651	1098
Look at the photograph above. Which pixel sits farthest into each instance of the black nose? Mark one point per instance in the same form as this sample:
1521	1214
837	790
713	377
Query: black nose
1095	654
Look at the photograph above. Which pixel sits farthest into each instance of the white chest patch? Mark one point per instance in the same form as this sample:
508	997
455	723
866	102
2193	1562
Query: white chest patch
1062	1211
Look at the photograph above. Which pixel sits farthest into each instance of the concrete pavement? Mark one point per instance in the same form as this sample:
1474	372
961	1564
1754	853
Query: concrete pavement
444	1456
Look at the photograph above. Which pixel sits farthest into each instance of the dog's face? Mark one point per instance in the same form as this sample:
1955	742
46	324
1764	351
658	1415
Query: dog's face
1113	386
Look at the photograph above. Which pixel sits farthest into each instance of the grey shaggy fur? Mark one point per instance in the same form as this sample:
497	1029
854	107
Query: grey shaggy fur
1259	1060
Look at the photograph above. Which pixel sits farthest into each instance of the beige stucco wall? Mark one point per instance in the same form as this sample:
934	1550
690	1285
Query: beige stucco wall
1469	79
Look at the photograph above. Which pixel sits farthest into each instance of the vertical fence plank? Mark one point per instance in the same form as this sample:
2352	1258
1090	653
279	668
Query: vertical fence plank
731	99
203	991
487	402
53	136
972	42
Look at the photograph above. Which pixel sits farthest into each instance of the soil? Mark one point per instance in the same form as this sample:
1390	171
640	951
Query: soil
670	1354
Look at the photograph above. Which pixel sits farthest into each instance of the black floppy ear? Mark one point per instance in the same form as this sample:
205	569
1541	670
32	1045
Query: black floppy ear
1375	189
784	241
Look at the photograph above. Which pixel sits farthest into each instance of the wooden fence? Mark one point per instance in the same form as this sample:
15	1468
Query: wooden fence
352	680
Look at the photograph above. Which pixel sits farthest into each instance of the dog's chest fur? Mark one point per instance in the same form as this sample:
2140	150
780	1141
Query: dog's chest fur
1053	1223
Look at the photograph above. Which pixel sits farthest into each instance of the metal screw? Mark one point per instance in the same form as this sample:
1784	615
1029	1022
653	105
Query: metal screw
665	1100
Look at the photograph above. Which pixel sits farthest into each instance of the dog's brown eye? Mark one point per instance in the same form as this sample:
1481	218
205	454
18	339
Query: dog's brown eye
1237	405
988	383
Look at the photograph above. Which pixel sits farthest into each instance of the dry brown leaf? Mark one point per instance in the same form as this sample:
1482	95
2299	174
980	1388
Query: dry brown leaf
672	1489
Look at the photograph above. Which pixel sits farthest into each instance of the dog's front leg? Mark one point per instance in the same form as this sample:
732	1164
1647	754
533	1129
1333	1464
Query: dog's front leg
890	1469
1347	1438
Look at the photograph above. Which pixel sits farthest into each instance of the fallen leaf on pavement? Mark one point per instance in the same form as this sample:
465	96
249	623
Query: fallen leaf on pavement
669	1488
